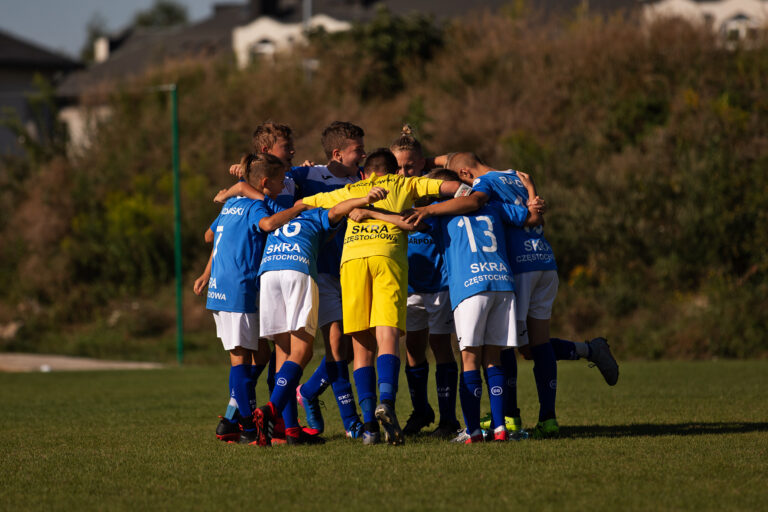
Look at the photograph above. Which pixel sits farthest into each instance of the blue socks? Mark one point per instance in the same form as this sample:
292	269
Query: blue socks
418	378
509	365
470	391
365	381
388	366
545	373
242	389
317	383
445	378
286	381
495	382
342	389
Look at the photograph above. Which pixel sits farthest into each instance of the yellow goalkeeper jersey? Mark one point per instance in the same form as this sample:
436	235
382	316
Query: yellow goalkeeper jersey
374	237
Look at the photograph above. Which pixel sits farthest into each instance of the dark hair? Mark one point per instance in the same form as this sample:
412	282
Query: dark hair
443	174
261	165
336	135
406	141
267	133
381	161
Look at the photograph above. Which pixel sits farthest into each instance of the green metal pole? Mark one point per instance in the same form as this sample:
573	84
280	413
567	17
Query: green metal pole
177	223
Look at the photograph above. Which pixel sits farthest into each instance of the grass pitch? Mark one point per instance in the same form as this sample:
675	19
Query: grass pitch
670	435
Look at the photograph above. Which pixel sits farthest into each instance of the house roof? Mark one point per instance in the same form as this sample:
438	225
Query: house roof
146	48
17	53
143	49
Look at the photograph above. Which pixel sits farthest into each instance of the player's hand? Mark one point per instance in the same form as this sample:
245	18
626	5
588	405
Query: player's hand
376	194
307	163
416	215
537	204
236	170
200	284
359	214
221	196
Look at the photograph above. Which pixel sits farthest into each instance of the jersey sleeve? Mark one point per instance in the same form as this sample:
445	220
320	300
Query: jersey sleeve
256	212
214	223
331	199
512	213
482	185
274	205
419	186
325	221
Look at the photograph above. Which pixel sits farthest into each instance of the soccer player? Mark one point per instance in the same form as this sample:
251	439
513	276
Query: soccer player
289	304
374	286
277	140
231	277
344	146
535	272
429	317
482	293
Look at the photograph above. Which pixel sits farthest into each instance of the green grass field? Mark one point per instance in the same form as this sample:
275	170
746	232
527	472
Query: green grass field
670	435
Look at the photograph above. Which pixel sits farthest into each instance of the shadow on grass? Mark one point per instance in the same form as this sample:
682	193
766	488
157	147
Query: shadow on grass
653	430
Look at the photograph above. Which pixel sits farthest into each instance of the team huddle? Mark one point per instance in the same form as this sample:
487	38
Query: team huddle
426	247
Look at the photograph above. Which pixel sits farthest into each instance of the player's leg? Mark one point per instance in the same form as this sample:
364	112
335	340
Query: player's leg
417	376
388	315
597	351
500	335
471	317
364	347
471	391
441	327
494	375
329	318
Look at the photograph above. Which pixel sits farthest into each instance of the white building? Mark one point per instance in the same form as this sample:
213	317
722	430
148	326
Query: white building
733	19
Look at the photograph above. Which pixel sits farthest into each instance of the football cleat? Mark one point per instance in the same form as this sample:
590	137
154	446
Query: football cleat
446	430
302	437
475	437
264	419
513	424
600	356
226	430
500	433
546	429
371	438
312	408
355	430
388	419
250	433
461	437
418	420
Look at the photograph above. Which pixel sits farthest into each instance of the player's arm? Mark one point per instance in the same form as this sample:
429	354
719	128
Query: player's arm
361	214
202	281
455	206
208	236
534	202
273	222
330	199
343	209
241	188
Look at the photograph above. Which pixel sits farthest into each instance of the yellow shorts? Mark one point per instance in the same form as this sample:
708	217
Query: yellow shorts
374	291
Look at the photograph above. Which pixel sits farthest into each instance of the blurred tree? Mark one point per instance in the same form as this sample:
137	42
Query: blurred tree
164	13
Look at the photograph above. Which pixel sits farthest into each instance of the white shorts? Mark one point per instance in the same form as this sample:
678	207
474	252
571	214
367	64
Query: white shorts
288	302
330	299
237	329
536	292
487	318
431	310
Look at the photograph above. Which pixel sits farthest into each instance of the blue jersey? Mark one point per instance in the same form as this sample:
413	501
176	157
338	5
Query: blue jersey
426	272
475	250
301	182
294	246
528	249
237	247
